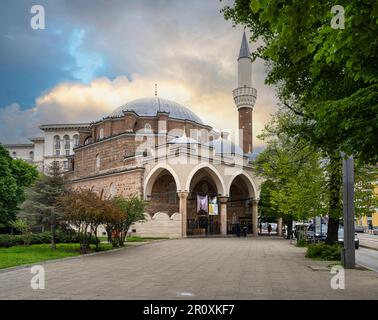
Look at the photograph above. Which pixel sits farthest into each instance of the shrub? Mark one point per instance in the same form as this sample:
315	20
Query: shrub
301	243
324	251
66	236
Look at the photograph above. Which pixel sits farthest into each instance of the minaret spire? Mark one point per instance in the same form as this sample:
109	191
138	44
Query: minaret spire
245	97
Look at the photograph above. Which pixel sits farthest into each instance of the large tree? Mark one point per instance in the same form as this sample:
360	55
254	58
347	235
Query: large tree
15	176
326	76
42	204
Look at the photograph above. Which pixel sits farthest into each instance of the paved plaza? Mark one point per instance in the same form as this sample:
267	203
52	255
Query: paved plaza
197	268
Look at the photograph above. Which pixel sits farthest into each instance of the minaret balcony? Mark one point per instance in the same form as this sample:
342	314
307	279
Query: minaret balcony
244	97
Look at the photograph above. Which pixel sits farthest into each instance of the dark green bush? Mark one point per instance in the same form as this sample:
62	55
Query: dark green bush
324	251
62	236
301	243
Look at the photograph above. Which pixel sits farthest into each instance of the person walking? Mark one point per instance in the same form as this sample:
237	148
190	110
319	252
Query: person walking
269	228
260	227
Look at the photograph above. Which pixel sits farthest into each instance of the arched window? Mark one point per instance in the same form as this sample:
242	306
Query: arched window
67	145
101	133
98	162
31	155
76	140
112	190
57	145
172	193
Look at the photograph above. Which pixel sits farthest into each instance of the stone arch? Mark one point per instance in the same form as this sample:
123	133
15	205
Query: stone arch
214	174
154	174
251	185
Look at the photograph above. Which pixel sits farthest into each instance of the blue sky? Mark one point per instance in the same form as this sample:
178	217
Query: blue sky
95	55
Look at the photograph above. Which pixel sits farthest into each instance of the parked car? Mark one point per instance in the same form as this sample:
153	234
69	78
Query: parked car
374	231
319	234
300	228
359	229
341	238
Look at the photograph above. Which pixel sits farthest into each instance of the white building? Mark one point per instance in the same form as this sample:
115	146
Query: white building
56	143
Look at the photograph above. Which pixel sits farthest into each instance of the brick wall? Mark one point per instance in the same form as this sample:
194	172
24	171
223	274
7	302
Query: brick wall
245	124
126	184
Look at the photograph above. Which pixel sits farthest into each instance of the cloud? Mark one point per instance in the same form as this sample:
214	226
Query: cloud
116	51
74	102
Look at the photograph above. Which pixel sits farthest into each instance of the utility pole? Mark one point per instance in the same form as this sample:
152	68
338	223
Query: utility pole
348	254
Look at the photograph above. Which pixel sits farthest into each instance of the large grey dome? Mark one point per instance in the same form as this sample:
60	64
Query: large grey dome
149	107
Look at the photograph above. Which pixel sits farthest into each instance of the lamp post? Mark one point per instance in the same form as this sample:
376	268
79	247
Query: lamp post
348	254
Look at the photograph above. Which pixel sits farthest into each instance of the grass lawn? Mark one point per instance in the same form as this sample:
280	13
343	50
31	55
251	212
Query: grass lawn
19	255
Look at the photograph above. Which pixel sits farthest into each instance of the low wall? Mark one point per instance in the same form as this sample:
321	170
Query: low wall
159	225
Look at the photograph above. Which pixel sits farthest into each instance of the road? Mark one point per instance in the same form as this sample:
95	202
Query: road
368	240
367	258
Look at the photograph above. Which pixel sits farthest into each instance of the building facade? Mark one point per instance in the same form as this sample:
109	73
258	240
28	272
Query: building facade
195	180
56	143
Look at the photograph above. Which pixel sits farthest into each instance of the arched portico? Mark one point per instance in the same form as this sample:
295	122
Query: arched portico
242	204
206	186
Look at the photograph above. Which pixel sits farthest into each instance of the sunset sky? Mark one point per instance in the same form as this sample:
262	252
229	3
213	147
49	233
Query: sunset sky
96	55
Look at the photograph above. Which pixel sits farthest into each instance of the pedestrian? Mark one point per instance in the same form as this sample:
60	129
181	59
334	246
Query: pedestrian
260	227
269	228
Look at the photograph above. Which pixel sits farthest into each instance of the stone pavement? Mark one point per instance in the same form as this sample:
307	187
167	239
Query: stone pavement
207	268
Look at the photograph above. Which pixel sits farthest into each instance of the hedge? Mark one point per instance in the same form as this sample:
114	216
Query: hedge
324	251
9	240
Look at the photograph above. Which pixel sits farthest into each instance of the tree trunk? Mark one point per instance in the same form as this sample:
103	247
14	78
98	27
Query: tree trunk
289	228
335	208
53	244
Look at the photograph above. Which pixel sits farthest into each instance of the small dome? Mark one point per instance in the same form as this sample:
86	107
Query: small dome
222	146
183	140
149	107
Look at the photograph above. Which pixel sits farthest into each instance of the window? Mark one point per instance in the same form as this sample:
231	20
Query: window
113	190
65	165
31	155
57	145
67	145
172	193
147	128
101	134
98	162
76	140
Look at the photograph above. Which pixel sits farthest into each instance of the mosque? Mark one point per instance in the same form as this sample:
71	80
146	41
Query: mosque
195	180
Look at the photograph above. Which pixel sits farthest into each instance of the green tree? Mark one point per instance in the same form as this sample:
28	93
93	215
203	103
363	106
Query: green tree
15	176
295	176
41	203
133	207
328	77
23	226
366	200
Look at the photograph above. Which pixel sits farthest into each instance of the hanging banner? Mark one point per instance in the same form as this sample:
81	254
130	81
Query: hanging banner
213	206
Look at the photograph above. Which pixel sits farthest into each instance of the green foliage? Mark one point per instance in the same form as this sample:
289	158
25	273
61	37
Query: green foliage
327	76
41	205
15	176
324	251
61	236
301	243
23	226
133	207
294	173
366	200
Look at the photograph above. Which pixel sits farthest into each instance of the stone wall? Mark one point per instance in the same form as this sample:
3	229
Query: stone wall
160	225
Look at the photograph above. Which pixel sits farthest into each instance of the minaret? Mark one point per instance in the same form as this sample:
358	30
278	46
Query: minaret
245	97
